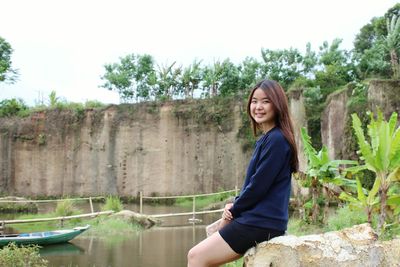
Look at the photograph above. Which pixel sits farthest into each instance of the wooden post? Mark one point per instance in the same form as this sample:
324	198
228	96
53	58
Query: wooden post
2	225
91	204
141	202
194	209
236	190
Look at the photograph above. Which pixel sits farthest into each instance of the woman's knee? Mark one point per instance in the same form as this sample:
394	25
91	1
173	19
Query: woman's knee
193	256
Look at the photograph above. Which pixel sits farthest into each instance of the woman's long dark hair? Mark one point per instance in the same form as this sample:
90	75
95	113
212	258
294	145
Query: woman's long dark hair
283	121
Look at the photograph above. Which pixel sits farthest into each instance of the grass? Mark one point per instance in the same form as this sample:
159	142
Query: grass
113	203
237	263
66	208
343	217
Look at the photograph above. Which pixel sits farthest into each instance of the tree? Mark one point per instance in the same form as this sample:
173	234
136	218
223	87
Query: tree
167	81
370	49
119	77
12	107
393	43
250	73
380	155
133	77
212	78
284	66
190	79
320	173
7	73
229	79
336	67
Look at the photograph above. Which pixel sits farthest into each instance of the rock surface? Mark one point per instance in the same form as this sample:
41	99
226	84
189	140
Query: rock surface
133	217
355	246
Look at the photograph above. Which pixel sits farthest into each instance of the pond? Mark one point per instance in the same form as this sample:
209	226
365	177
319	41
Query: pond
165	245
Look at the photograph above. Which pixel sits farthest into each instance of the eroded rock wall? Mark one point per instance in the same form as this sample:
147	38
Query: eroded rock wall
120	150
333	124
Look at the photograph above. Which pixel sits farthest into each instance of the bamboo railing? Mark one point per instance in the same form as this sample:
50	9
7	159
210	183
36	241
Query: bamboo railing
193	212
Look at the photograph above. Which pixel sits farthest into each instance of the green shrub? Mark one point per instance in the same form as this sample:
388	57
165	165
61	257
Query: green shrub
12	255
65	208
13	107
345	217
113	203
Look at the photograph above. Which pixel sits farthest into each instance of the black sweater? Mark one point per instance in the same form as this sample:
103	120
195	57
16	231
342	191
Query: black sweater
264	199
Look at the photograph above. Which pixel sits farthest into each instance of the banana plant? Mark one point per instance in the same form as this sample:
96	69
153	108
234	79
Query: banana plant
321	173
381	155
365	200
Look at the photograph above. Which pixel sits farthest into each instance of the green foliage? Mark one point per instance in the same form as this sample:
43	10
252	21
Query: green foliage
314	105
237	263
336	68
23	256
221	78
113	203
321	171
393	43
284	66
190	79
381	155
13	107
133	77
345	217
7	73
217	111
53	99
372	46
93	104
18	207
65	208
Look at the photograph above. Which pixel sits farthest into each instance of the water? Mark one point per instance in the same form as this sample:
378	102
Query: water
161	246
164	246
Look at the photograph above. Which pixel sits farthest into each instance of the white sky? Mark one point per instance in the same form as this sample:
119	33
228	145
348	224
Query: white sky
62	45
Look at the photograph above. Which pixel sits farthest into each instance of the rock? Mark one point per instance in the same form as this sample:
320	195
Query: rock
133	217
355	246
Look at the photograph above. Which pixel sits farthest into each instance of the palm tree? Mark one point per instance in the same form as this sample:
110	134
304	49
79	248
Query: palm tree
393	43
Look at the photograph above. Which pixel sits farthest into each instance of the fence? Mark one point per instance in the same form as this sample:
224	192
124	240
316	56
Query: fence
92	214
193	197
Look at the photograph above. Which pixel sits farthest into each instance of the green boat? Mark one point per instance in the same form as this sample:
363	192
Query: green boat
43	238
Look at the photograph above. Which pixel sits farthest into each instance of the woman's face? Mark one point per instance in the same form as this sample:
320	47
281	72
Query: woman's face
262	110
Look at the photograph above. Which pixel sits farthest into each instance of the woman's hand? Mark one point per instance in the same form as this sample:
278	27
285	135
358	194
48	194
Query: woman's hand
227	215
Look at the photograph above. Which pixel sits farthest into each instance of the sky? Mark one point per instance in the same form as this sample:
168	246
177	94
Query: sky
63	45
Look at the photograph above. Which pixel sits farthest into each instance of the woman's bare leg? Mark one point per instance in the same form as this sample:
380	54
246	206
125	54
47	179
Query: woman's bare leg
212	251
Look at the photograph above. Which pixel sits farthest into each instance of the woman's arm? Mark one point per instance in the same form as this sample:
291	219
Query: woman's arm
274	154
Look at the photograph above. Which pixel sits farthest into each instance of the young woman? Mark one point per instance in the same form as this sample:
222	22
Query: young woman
260	212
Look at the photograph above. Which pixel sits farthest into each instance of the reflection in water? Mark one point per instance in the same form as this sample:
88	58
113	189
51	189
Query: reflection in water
160	246
65	249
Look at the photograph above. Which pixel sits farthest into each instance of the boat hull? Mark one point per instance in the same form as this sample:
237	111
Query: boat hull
44	238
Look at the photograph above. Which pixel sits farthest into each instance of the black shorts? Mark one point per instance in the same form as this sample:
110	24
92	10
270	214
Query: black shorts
242	237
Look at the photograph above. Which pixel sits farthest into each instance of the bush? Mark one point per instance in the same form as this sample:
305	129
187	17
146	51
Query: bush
113	203
65	208
13	107
345	217
12	255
